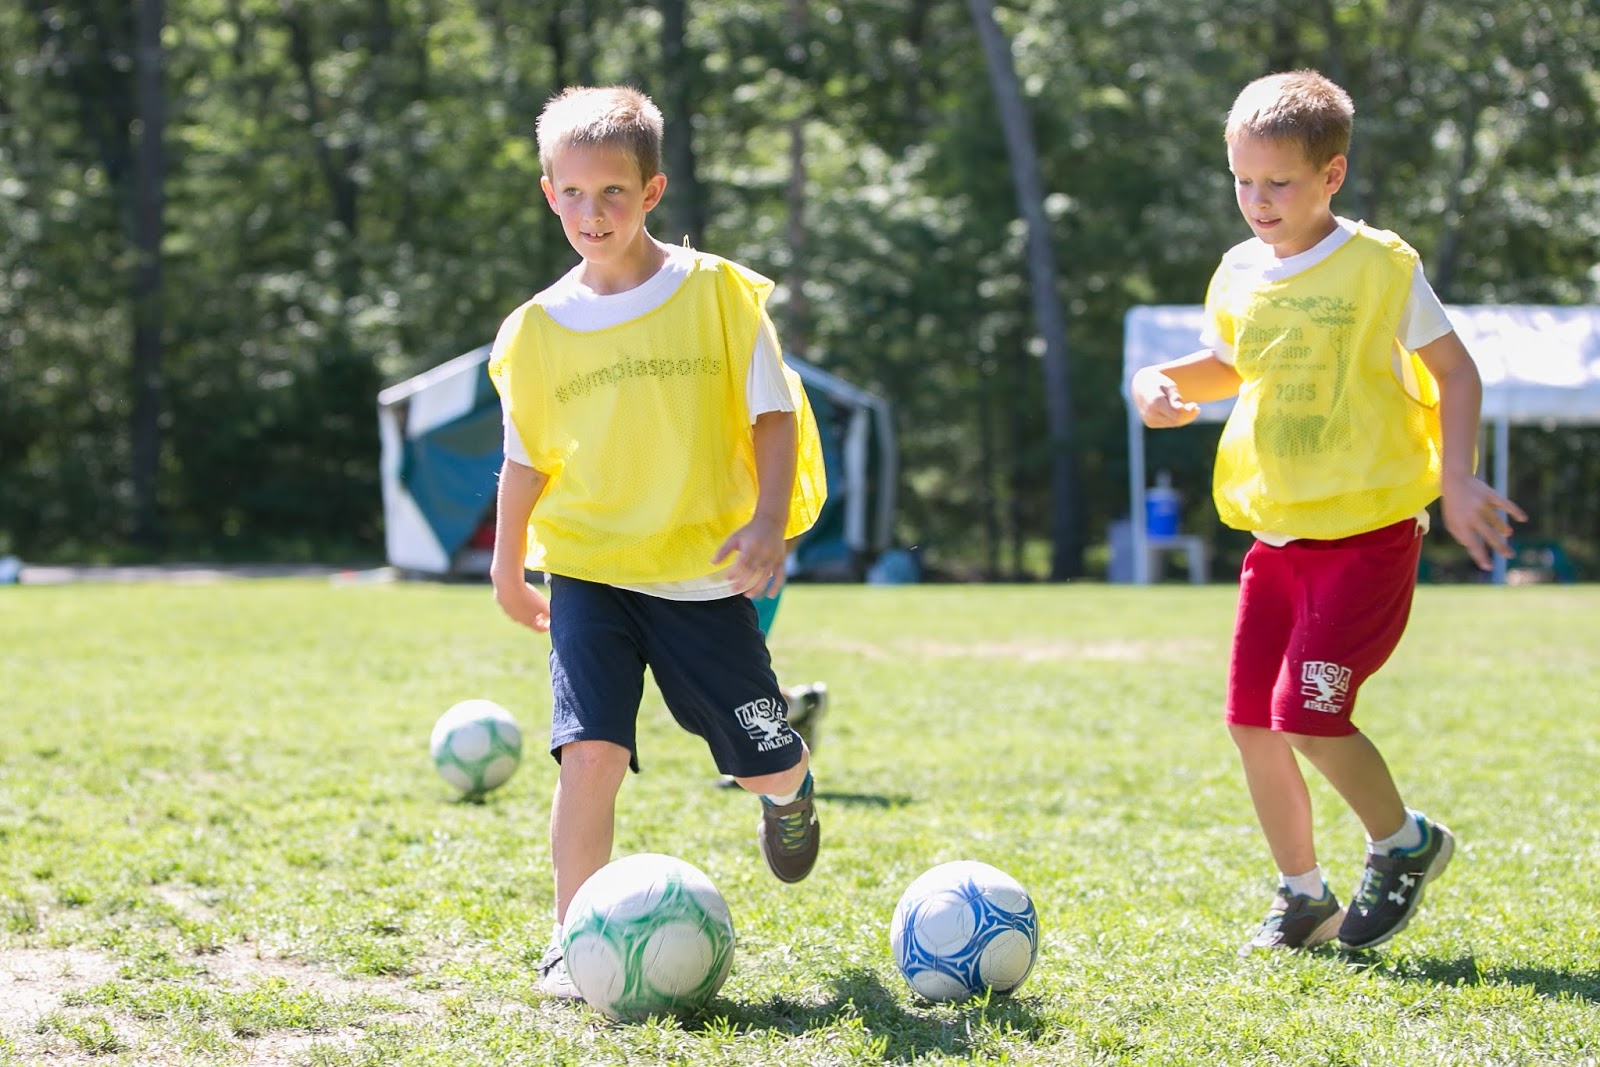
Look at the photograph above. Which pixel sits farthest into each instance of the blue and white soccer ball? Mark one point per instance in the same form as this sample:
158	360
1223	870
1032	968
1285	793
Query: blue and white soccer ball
964	927
648	935
476	747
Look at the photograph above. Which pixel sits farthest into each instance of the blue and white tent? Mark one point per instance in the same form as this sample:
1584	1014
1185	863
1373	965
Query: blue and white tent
440	438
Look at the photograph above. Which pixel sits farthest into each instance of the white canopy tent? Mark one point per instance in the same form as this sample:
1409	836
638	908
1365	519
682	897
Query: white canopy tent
1540	365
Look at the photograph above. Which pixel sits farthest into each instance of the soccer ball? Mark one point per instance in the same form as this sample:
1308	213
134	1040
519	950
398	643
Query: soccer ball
963	927
647	935
476	746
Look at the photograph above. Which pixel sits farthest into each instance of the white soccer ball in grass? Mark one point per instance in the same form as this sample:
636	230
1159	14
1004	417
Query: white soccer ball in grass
647	935
476	747
964	927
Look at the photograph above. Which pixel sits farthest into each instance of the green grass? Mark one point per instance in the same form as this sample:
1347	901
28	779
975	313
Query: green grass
221	841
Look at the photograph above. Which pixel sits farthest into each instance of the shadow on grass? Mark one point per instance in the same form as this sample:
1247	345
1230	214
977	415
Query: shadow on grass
1468	971
908	1034
864	800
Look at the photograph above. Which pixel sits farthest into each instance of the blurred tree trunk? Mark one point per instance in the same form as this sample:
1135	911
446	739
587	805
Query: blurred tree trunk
685	202
797	331
149	227
1066	558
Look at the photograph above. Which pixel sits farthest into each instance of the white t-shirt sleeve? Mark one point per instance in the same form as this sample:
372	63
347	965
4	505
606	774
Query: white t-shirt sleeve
1423	319
511	441
1209	338
765	388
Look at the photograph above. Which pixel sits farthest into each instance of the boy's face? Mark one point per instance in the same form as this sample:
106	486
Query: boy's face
1283	197
602	200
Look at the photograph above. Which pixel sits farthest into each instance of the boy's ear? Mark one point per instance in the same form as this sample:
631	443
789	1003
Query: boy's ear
1333	174
653	190
549	192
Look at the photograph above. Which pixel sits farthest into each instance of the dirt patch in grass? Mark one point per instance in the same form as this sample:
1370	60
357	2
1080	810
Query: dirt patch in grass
35	985
34	981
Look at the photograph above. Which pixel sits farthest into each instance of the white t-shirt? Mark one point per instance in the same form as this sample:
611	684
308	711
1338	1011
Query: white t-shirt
576	307
1422	320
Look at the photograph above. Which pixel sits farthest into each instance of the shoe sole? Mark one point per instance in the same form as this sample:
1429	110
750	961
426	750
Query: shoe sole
1326	931
1435	869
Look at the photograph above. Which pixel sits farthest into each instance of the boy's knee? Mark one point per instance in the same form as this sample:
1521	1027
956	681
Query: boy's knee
590	759
1312	745
1246	737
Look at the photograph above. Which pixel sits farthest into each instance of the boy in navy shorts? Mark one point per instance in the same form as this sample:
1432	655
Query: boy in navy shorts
1357	407
659	456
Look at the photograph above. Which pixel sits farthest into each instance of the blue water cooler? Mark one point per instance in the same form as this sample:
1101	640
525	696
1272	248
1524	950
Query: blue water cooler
1161	508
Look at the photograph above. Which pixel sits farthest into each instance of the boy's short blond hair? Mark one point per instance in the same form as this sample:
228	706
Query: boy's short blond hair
613	116
1300	106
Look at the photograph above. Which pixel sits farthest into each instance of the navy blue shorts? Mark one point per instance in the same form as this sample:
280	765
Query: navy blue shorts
708	658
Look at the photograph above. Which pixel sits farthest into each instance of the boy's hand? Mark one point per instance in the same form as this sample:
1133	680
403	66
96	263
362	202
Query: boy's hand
1160	405
758	569
522	602
1472	514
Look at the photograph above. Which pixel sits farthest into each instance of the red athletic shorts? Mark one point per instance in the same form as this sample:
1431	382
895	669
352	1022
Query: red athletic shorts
1316	619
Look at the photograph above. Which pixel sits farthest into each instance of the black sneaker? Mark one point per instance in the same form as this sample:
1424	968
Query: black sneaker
1391	888
1296	921
807	705
789	835
554	981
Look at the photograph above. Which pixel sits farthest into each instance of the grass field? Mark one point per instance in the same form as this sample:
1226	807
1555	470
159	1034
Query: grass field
221	841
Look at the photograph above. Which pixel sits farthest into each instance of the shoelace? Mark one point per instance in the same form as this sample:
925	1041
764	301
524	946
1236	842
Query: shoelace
1371	883
792	831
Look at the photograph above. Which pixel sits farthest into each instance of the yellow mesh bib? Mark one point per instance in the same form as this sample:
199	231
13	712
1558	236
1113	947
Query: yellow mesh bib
644	432
1336	429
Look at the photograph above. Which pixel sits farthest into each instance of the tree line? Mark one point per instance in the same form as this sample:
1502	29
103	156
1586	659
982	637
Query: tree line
229	223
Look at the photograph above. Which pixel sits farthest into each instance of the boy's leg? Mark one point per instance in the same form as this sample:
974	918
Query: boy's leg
807	704
1356	770
582	824
767	610
711	664
1360	590
597	680
583	814
1303	912
1279	794
781	783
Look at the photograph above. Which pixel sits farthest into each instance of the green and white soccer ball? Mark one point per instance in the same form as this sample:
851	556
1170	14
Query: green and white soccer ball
648	935
476	747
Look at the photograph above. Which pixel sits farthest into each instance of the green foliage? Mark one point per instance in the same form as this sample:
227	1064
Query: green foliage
218	814
351	196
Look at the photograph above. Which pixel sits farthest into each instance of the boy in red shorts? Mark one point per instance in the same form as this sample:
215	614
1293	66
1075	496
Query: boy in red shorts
1357	407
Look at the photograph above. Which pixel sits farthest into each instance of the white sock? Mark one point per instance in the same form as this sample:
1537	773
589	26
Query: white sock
1408	837
1311	884
555	934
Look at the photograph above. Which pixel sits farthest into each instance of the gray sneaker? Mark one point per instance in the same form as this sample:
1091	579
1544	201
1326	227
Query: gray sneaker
1296	921
1391	888
789	835
807	705
554	981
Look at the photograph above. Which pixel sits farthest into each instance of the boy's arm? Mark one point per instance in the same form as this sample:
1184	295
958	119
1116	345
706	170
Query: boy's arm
758	567
520	488
1472	510
1170	394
